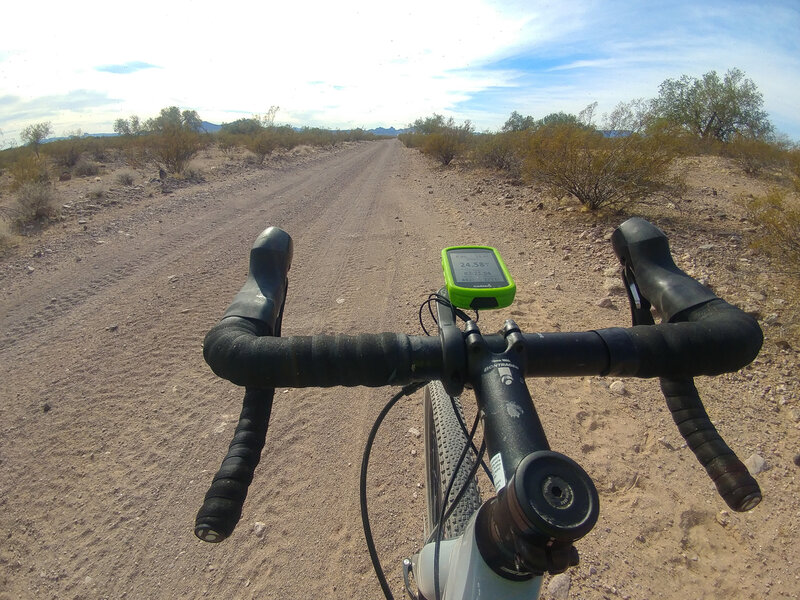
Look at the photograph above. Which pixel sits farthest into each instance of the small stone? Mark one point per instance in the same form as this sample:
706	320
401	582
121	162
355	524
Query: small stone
414	431
665	442
259	528
46	407
618	388
723	518
112	328
413	452
797	460
558	588
30	269
605	303
756	464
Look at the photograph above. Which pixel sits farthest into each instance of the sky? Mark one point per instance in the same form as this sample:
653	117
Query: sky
367	63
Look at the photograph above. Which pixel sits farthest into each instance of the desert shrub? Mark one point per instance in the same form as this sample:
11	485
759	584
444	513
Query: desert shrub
411	139
28	168
262	145
442	146
793	165
228	142
174	147
135	152
287	138
6	237
755	155
777	216
96	193
125	178
192	174
86	168
439	138
65	153
35	202
501	151
597	170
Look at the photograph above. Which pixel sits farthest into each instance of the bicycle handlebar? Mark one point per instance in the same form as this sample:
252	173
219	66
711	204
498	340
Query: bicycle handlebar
701	335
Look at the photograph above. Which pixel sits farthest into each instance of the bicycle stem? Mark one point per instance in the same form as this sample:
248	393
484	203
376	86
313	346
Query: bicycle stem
545	500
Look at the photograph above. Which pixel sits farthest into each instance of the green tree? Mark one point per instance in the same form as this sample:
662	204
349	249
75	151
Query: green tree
432	124
130	126
558	118
713	108
122	127
34	135
242	127
516	122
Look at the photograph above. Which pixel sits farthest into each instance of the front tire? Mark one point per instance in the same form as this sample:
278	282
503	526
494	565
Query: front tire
444	443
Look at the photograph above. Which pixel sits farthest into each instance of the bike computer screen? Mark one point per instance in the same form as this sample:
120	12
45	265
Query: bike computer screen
476	277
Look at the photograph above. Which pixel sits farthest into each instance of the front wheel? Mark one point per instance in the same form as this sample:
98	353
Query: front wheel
444	442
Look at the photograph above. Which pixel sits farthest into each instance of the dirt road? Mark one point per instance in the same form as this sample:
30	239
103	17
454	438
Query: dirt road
112	424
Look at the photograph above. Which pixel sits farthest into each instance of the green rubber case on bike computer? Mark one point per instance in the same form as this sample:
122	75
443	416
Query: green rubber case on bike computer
476	277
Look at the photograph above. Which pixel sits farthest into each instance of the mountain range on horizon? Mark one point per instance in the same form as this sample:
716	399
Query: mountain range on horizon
208	127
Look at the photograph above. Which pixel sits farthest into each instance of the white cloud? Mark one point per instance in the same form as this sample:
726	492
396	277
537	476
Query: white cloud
358	62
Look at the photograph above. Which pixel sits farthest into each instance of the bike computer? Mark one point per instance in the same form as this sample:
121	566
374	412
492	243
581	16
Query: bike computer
476	277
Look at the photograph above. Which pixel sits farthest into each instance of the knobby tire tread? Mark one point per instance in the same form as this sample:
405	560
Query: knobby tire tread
444	443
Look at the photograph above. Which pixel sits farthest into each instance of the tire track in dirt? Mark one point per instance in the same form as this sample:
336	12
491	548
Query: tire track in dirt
38	307
99	491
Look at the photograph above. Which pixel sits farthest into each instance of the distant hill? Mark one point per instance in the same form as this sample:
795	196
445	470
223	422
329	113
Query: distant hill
210	127
391	131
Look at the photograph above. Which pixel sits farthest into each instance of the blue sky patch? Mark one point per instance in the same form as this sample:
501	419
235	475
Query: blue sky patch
126	68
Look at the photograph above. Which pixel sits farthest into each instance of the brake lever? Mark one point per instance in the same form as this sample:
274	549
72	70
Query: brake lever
640	306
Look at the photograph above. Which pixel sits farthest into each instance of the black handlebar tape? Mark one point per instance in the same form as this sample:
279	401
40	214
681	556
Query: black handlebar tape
734	482
644	248
235	351
222	506
717	338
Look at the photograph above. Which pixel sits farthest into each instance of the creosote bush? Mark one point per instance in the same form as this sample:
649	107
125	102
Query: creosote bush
35	203
443	146
262	144
502	151
125	178
6	237
755	155
28	169
597	170
174	147
777	217
86	168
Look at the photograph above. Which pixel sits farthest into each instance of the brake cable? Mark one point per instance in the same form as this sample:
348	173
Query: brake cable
373	553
